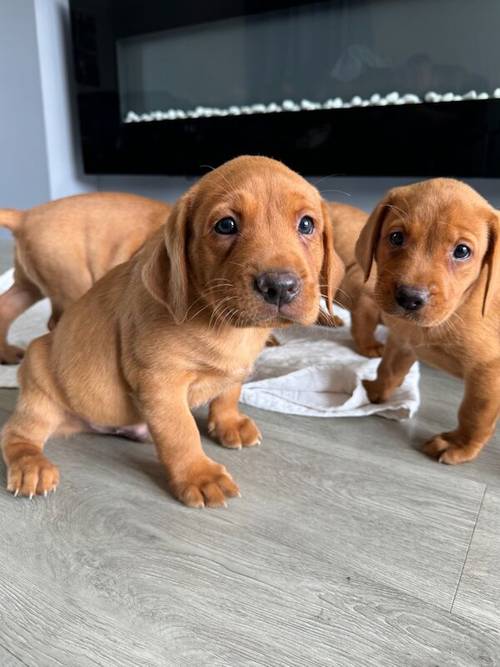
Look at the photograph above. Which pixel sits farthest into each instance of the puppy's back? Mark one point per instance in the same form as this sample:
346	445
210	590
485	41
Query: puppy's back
347	222
66	245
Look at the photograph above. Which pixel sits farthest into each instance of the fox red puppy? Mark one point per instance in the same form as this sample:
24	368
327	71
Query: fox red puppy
437	252
180	324
63	247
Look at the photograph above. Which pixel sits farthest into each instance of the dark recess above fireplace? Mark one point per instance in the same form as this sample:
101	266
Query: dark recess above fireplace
151	100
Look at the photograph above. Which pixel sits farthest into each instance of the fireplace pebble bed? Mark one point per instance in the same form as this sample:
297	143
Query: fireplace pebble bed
307	105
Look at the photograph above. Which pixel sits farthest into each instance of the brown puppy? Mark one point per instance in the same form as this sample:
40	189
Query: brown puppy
354	294
64	246
437	249
179	325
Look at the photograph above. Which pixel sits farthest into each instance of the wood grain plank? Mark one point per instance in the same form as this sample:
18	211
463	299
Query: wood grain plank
326	560
9	659
478	594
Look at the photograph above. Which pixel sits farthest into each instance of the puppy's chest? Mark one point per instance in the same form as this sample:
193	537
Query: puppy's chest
209	383
225	369
455	347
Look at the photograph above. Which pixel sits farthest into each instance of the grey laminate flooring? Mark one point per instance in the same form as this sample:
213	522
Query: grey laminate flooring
348	547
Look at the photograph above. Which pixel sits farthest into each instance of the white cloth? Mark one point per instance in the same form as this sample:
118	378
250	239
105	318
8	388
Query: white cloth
314	372
317	373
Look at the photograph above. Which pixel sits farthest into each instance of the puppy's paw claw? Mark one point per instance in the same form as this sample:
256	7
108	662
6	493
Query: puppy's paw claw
31	475
235	433
442	448
205	484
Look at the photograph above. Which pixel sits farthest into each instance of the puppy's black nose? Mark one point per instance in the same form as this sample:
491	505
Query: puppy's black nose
277	287
411	298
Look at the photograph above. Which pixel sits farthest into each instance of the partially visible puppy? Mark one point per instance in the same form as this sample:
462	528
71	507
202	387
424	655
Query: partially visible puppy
436	245
63	247
179	325
354	294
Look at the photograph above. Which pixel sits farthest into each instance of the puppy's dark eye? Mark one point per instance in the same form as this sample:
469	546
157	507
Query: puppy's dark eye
226	226
397	239
306	225
462	251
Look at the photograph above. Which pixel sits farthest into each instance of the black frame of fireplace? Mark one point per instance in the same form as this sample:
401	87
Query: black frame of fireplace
430	139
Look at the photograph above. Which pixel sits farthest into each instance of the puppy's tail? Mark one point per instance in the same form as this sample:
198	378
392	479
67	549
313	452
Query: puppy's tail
10	218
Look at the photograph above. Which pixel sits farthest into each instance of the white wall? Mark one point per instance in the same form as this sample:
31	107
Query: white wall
24	177
66	176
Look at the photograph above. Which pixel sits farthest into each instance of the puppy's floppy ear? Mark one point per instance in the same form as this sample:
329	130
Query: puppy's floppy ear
492	262
165	272
366	245
332	270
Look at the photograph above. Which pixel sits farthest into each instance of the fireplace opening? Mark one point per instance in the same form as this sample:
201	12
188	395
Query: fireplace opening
323	55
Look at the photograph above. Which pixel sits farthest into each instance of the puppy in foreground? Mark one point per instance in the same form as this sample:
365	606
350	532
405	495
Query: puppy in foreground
179	325
437	250
63	247
354	294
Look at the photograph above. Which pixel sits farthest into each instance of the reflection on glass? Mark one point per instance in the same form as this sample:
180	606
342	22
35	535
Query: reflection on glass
335	54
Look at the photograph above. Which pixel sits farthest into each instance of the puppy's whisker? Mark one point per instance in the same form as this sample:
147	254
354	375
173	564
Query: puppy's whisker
202	296
216	310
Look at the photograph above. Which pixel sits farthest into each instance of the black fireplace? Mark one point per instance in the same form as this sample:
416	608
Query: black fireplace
344	87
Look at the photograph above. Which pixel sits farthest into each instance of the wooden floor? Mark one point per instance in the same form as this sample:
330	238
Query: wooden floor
348	547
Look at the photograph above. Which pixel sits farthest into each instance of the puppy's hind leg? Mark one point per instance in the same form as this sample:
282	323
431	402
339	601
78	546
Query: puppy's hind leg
18	298
36	417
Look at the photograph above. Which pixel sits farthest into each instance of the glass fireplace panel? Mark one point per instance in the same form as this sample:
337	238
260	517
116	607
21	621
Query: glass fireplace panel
321	55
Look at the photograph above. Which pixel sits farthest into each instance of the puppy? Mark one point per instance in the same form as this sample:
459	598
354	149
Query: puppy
354	294
64	246
179	325
437	249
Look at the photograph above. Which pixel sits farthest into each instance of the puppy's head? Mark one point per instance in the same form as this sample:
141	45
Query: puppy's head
430	241
250	244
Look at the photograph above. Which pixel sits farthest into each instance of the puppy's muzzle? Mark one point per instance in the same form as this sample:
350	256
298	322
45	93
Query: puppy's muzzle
411	298
277	287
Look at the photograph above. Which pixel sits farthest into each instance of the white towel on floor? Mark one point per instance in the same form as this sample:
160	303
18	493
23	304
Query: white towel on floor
315	371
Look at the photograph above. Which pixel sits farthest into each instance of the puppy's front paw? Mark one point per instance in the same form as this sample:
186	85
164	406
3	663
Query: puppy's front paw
375	391
235	431
204	484
10	354
32	475
446	449
372	349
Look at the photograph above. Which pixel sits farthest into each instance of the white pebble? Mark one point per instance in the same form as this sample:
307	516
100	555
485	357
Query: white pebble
392	98
496	93
356	101
132	117
431	96
448	97
483	96
411	99
382	102
375	98
471	95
